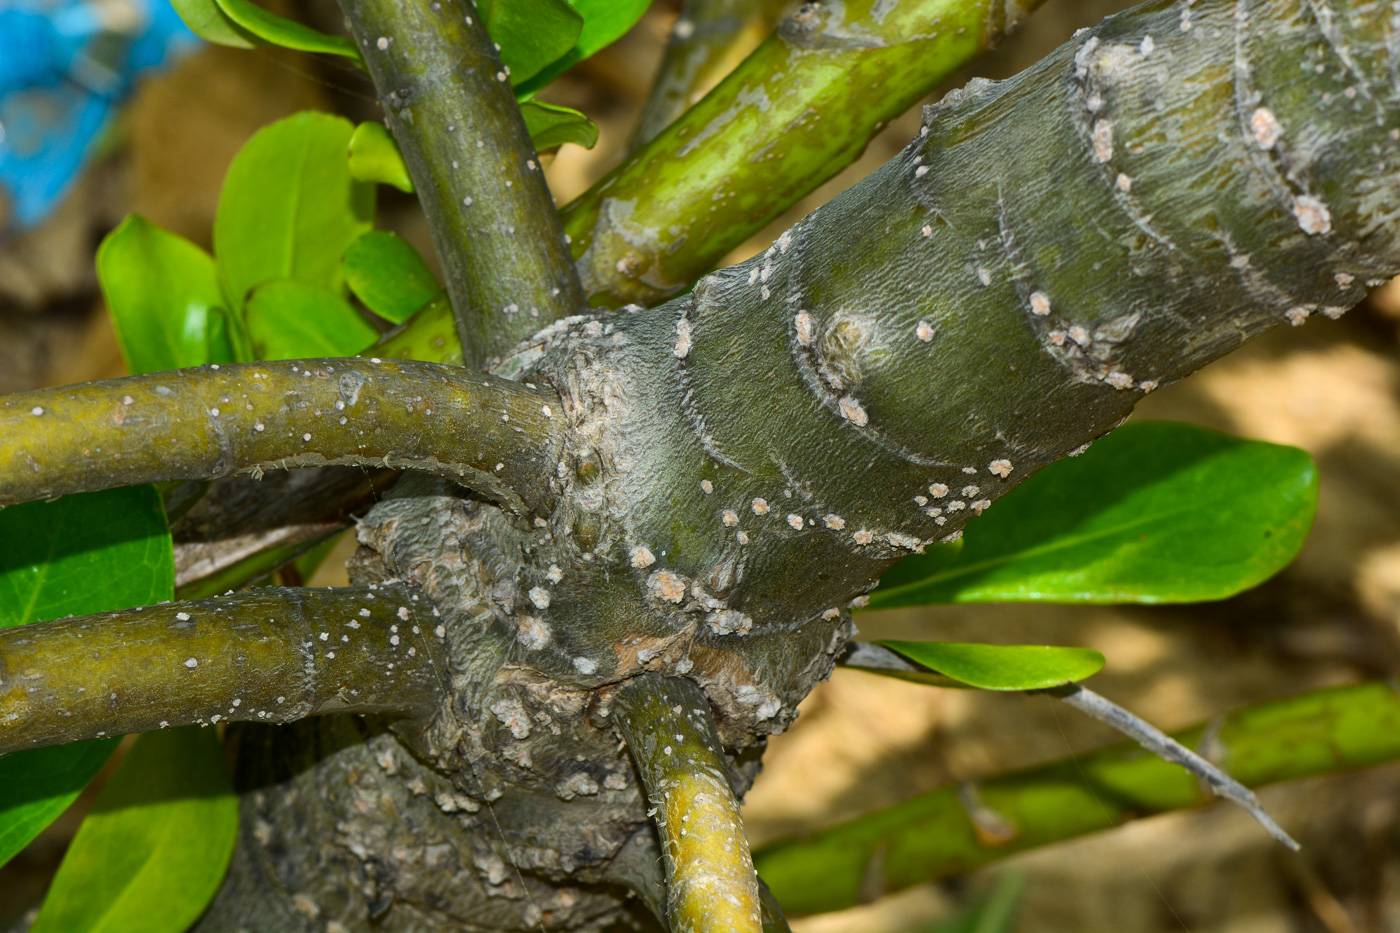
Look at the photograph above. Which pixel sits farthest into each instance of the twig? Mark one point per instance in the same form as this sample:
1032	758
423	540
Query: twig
710	881
449	103
270	655
879	659
490	434
1168	749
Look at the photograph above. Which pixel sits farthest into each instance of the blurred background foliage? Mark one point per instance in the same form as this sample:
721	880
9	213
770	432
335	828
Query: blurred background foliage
864	742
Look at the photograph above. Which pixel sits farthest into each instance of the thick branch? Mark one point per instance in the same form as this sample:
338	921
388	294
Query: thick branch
1047	251
709	39
490	434
796	112
449	104
710	881
271	655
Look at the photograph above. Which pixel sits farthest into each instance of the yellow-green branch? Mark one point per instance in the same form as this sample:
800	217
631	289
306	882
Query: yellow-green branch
710	882
490	434
272	655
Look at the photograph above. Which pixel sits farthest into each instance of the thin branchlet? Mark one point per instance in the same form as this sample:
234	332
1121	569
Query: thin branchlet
490	434
448	100
710	881
270	655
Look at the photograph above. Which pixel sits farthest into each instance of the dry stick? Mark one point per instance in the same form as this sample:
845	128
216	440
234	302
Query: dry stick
449	103
270	655
709	39
710	882
492	435
879	659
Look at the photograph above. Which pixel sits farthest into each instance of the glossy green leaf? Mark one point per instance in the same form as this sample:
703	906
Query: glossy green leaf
164	297
996	667
1155	512
207	21
289	206
76	555
604	22
278	30
375	157
551	125
153	851
530	33
388	275
290	319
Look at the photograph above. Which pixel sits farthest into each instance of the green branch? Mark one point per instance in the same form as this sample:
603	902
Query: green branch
709	39
489	434
957	829
710	882
796	112
271	655
448	101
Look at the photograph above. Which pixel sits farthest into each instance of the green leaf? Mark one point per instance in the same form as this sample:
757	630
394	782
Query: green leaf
604	22
1156	512
551	126
530	33
278	30
375	157
996	667
152	853
164	297
388	275
289	207
290	319
207	21
76	555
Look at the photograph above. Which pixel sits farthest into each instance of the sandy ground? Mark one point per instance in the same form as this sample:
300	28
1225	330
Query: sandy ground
864	742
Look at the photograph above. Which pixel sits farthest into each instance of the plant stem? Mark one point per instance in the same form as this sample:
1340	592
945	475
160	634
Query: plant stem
796	112
490	434
449	103
956	829
709	39
710	881
271	655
